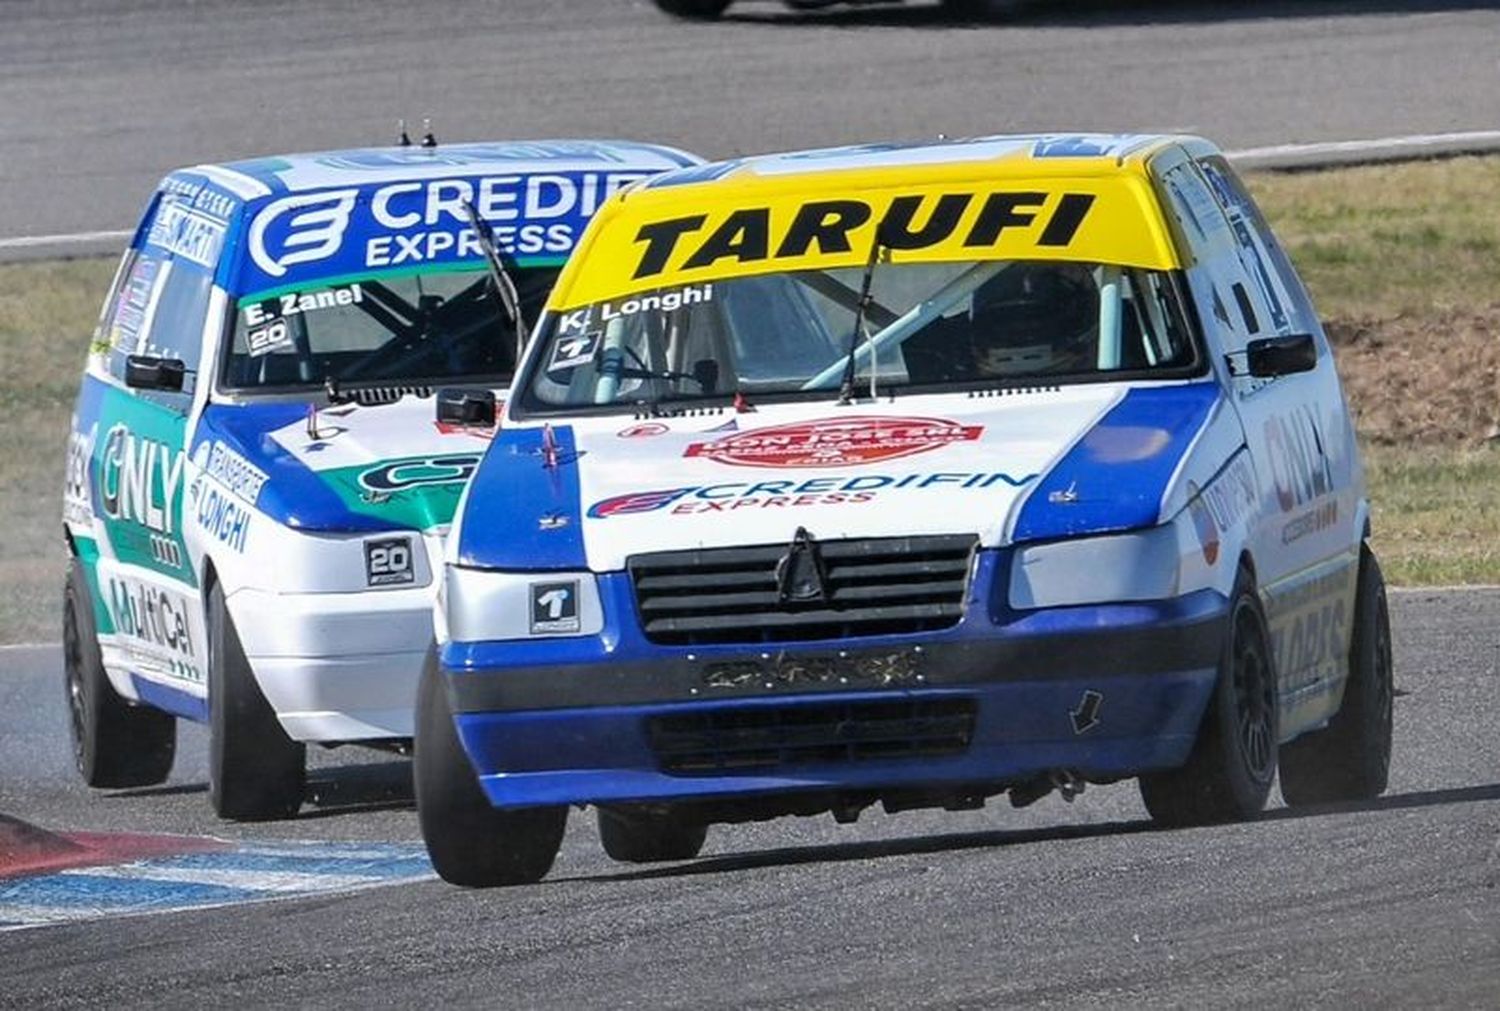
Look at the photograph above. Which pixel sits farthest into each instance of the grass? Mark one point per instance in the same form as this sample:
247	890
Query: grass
1408	241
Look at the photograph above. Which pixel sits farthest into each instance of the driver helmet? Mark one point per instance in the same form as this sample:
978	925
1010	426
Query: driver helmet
1036	317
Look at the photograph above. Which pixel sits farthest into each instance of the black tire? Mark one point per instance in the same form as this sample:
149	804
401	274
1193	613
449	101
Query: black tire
1229	772
694	10
115	744
470	842
643	836
1350	759
255	771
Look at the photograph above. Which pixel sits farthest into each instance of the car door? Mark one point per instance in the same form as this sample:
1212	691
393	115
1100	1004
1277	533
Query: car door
154	633
1311	496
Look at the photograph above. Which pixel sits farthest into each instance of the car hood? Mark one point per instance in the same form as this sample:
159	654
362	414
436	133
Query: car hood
344	468
1005	465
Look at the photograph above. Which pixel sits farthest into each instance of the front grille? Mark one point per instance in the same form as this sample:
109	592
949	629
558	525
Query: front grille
723	740
878	586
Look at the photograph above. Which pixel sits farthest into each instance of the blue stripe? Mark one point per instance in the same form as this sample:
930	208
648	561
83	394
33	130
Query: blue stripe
82	890
173	700
397	864
511	492
1116	475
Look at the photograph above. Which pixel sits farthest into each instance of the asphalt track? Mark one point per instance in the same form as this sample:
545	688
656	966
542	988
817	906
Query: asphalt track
99	98
1393	903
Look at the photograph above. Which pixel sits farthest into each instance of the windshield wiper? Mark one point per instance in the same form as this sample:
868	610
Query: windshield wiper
504	286
846	388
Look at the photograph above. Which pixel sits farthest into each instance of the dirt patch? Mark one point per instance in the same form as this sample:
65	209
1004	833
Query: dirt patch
1433	380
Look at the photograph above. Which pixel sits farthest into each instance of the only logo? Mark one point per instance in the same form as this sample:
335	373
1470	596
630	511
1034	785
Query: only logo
303	228
835	442
399	474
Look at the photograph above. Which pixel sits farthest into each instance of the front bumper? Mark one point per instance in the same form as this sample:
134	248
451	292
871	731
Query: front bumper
337	666
1106	691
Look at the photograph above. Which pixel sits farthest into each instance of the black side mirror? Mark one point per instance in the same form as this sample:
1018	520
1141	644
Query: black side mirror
145	372
466	407
1269	357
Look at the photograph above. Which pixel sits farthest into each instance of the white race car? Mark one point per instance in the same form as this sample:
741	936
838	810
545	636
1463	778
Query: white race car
257	487
908	475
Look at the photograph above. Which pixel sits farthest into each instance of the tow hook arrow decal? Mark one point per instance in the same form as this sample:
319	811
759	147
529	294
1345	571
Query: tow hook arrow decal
1086	716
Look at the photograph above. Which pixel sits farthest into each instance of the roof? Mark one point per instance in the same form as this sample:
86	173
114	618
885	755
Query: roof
298	173
1082	197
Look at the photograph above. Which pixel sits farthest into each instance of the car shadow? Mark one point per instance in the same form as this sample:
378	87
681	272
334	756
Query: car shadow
351	789
873	850
1091	13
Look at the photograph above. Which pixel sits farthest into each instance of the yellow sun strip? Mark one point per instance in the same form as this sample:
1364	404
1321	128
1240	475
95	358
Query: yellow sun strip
745	225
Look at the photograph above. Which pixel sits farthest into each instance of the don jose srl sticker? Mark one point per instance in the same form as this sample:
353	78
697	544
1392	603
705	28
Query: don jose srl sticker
835	442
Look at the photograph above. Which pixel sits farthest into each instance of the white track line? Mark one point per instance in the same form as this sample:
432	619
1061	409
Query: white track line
72	239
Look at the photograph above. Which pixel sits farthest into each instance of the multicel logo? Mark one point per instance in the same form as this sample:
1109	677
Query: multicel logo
835	442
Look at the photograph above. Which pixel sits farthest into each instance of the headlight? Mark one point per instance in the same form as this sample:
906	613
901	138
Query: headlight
1141	565
482	605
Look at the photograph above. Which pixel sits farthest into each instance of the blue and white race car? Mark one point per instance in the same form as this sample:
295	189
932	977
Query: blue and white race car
257	484
911	476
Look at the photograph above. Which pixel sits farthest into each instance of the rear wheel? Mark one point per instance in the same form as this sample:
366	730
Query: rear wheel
642	835
694	10
1350	759
255	771
115	744
470	842
1228	775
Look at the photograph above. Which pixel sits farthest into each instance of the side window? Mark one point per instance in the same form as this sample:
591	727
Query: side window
160	300
1231	289
1290	306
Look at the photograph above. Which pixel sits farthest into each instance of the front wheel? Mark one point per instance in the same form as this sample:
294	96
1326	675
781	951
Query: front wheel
1228	775
470	842
255	771
1350	759
641	835
115	744
694	10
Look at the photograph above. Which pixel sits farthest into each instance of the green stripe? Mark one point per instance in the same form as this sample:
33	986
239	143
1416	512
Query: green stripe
392	274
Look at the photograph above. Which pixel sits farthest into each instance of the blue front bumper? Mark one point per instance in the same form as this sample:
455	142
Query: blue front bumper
1106	691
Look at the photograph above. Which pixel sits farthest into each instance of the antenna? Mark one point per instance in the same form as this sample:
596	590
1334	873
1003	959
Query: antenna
405	139
428	140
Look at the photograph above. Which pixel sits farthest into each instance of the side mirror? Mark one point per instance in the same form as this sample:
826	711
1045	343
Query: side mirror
466	407
145	372
1268	357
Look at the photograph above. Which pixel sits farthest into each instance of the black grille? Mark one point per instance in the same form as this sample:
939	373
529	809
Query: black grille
718	740
879	586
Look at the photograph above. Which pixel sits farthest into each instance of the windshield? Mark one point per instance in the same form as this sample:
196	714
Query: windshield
928	325
412	329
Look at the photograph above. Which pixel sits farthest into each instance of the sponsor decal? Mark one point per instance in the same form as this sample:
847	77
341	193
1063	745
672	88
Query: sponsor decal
554	608
78	508
643	430
130	307
241	477
736	495
182	231
395	475
140	480
1302	471
156	619
388	562
293	303
1309	629
666	301
222	518
424	221
970	220
834	442
1203	524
